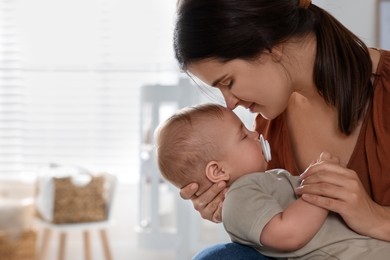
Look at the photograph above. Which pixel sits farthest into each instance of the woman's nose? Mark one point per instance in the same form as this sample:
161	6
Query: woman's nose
231	100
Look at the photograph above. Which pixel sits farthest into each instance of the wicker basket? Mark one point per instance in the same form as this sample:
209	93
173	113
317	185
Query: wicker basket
74	203
21	248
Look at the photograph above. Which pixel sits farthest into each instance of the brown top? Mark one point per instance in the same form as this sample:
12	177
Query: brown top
371	156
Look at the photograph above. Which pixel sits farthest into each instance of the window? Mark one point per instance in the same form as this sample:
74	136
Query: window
70	79
383	23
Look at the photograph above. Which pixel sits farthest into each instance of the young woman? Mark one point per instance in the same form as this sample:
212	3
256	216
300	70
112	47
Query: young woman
315	86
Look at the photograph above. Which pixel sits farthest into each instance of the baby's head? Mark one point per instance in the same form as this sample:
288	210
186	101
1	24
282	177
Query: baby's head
186	144
207	144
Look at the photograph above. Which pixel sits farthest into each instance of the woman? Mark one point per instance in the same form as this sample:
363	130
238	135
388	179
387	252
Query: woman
315	86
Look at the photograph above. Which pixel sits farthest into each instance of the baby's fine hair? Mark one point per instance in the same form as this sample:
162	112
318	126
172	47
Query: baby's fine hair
183	151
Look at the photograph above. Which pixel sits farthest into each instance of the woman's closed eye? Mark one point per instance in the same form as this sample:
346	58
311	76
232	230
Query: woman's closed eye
227	83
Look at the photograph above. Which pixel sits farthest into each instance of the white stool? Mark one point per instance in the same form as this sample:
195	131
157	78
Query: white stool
85	228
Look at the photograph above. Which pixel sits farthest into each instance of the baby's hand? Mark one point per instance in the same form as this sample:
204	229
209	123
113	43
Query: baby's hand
324	157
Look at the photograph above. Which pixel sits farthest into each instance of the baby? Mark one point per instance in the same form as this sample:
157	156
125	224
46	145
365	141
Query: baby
208	143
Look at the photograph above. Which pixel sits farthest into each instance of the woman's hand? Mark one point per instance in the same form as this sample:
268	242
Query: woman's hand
329	185
209	203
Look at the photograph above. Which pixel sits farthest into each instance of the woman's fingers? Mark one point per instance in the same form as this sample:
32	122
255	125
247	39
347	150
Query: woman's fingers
324	195
217	217
352	202
338	189
328	185
189	191
329	180
326	168
209	203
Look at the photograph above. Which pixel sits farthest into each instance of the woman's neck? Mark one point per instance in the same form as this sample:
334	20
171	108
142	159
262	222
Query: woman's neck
300	54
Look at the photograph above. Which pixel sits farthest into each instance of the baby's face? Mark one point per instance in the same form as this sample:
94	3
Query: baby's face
241	151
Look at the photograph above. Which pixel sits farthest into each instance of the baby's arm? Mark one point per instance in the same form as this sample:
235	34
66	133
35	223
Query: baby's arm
294	227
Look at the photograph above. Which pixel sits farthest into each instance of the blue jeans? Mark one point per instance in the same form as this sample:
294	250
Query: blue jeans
229	251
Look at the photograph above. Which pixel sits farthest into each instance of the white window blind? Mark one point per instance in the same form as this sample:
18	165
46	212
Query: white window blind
70	79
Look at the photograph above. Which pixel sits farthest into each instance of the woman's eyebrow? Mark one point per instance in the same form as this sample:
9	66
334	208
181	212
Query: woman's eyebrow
215	82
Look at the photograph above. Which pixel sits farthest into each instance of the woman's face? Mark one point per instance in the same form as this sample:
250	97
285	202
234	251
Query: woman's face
262	86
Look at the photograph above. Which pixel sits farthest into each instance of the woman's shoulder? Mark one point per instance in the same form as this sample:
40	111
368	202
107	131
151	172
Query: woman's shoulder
375	141
383	65
382	77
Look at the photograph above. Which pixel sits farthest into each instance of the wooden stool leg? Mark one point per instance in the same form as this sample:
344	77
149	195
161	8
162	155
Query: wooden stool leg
87	246
62	245
106	246
45	244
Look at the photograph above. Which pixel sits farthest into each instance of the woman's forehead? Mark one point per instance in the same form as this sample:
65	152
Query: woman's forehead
209	71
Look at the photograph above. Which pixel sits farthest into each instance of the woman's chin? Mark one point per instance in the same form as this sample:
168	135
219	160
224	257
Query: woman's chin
265	115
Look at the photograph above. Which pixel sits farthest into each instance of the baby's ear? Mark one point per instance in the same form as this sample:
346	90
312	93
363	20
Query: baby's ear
215	173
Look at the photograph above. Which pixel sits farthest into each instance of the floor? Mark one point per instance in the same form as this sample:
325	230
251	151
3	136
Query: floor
123	236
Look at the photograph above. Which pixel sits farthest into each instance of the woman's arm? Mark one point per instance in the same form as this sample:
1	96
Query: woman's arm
294	227
339	189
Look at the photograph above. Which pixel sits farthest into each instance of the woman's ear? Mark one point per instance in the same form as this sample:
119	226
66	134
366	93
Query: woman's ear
215	173
277	52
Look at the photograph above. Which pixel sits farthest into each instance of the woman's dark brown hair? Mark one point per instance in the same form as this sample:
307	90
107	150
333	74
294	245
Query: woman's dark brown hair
242	29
